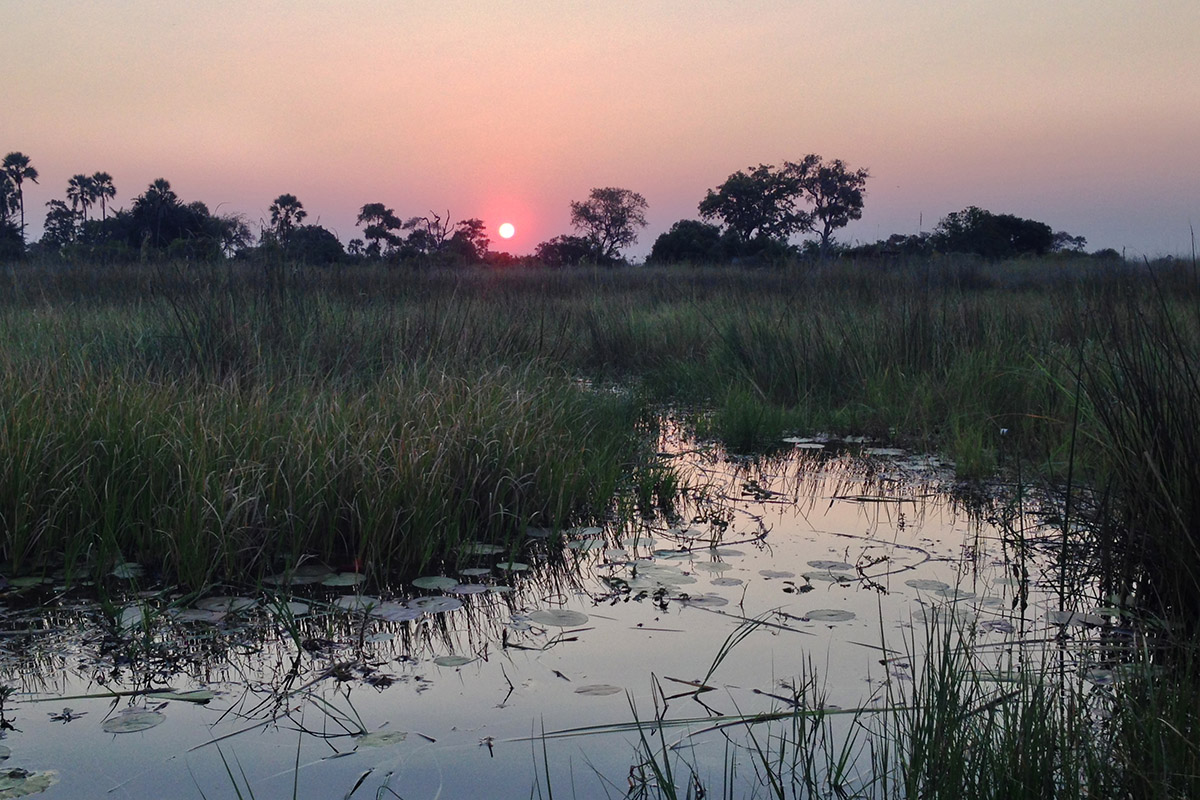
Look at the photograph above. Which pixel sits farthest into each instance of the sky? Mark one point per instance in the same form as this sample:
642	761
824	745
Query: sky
1084	115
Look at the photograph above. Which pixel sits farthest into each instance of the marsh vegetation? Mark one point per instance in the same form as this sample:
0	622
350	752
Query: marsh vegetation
222	426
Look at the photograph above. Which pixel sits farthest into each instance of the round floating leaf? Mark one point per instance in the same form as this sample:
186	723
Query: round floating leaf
481	549
395	612
996	626
585	545
1100	676
296	608
829	615
500	590
452	661
434	582
558	617
128	571
301	576
827	576
1074	618
131	617
468	588
689	533
769	574
723	581
228	605
474	572
435	605
598	690
356	602
133	720
924	585
513	566
193	696
954	593
890	452
589	531
705	600
830	565
712	566
802	443
344	579
381	738
16	782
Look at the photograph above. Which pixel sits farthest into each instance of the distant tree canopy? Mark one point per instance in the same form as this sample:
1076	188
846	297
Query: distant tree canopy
565	251
763	206
609	219
689	240
974	230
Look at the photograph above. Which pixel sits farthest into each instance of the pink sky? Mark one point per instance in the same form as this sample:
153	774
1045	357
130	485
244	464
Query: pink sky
1084	115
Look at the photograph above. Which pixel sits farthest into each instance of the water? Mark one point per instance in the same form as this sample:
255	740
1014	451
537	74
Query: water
825	566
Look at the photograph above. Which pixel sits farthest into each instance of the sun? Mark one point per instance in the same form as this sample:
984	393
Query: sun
507	230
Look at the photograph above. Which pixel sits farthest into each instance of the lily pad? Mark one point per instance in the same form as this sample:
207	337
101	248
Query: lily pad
842	565
712	566
771	574
128	571
395	612
133	720
435	605
481	549
705	600
586	545
17	782
723	581
558	617
598	690
829	615
197	615
228	605
468	588
926	585
26	581
827	576
452	661
434	582
589	531
500	589
381	738
996	626
513	566
474	572
356	602
344	579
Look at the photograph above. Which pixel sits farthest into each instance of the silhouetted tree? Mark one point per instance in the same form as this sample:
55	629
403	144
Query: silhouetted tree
18	169
609	219
562	251
975	230
60	226
1066	243
103	190
688	240
833	190
81	191
313	244
286	213
469	243
758	204
380	226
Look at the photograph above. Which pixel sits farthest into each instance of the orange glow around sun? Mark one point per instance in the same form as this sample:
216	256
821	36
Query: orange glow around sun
507	230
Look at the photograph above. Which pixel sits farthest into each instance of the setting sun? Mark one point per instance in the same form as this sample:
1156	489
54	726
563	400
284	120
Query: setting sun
507	230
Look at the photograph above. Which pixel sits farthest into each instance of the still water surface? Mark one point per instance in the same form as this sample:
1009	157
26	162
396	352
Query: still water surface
828	561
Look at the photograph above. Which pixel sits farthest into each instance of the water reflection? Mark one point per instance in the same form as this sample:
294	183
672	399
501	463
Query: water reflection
825	560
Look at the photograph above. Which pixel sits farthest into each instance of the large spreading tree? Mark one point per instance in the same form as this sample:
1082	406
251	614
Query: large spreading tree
17	168
609	219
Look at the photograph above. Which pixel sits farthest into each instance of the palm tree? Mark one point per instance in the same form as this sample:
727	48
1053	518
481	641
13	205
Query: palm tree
81	191
286	213
105	190
16	167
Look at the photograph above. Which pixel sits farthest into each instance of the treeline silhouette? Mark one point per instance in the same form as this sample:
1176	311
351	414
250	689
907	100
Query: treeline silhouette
751	219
